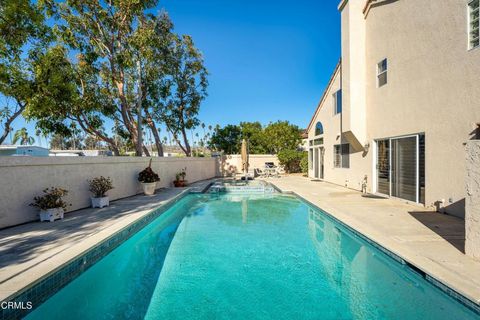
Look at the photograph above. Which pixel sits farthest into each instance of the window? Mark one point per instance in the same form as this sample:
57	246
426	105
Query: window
337	102
473	24
382	73
310	158
318	129
341	155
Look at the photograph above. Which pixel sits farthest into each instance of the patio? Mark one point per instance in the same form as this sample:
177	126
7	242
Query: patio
430	241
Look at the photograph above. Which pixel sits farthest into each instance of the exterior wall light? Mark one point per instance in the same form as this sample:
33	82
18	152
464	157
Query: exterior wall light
366	146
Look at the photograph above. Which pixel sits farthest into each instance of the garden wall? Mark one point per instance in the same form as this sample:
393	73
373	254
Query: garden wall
21	178
232	164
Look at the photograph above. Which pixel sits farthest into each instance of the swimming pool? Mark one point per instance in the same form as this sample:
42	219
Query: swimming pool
268	256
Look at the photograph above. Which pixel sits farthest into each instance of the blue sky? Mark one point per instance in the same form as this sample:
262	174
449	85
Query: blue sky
268	60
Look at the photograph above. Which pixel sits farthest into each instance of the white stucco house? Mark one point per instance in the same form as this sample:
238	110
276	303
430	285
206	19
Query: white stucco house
402	101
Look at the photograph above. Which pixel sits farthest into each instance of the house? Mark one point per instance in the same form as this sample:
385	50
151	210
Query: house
32	151
402	101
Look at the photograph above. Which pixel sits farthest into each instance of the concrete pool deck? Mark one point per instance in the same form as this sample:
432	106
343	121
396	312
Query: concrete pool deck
430	241
31	251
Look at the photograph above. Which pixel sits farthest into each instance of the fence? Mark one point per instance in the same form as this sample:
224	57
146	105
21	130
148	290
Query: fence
21	178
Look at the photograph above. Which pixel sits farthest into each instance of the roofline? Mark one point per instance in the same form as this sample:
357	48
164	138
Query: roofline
342	4
365	10
330	82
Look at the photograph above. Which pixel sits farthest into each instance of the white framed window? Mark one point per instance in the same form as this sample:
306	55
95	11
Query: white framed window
337	102
341	155
473	24
310	159
382	68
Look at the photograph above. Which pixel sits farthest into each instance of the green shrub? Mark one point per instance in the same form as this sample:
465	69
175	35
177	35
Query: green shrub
148	175
51	199
290	160
304	163
100	185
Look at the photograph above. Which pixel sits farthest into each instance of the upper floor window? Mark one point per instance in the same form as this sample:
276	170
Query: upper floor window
337	102
473	24
341	155
382	68
318	129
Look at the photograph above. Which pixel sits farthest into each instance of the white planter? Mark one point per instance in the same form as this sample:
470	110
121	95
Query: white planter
100	202
51	214
149	188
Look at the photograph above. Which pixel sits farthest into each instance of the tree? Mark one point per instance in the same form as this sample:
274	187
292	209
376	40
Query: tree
291	160
273	138
304	163
104	35
57	142
77	101
91	142
23	34
23	137
73	142
226	139
253	132
178	88
282	135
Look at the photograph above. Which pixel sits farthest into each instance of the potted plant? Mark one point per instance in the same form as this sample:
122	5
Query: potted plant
99	187
51	204
149	179
180	179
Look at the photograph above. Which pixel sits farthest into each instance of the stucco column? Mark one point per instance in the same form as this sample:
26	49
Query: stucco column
472	201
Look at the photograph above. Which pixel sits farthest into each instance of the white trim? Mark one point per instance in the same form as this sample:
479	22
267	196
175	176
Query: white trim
381	73
335	102
417	189
374	173
469	29
390	149
390	166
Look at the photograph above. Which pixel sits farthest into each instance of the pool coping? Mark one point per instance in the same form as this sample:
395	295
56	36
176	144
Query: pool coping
44	286
459	297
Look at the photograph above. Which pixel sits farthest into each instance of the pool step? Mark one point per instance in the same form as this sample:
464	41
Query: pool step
221	188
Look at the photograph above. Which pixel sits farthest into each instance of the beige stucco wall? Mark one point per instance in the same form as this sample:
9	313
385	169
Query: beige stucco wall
232	163
350	177
21	178
472	203
433	88
353	73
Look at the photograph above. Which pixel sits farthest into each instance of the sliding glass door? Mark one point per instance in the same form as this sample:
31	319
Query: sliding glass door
401	167
318	162
383	167
404	168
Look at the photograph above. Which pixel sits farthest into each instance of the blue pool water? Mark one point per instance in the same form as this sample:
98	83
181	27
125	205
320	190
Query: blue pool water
248	257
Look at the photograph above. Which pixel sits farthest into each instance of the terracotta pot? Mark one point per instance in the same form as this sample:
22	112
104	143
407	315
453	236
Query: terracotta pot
179	183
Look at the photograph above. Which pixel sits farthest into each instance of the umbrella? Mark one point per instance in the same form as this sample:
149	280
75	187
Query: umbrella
245	156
